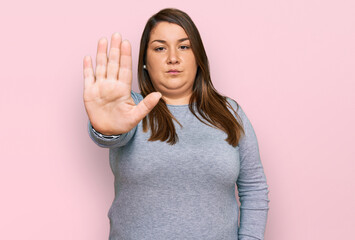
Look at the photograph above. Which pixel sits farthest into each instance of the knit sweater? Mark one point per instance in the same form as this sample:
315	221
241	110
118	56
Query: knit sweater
187	190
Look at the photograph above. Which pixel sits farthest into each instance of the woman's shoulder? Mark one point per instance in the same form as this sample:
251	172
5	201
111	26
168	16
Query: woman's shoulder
234	104
237	108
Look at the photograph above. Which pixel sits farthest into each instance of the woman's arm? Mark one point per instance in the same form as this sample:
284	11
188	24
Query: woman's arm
252	186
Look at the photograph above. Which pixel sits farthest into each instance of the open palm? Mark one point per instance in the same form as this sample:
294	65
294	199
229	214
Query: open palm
107	96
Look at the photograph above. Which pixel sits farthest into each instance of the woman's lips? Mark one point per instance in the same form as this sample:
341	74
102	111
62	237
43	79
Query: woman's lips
173	72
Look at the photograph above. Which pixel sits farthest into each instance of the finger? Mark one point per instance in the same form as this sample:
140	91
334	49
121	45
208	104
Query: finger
89	77
147	104
114	57
101	59
125	71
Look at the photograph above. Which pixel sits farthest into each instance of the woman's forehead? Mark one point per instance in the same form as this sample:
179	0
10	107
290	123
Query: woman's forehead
168	32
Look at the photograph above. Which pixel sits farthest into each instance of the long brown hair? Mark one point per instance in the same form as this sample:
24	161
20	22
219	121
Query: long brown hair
211	105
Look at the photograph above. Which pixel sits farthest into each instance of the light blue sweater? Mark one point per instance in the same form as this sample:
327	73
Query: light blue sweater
187	190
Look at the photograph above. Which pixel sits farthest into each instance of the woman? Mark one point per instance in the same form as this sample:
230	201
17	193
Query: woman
178	148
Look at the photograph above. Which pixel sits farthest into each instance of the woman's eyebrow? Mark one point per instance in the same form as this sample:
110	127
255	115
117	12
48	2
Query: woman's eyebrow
163	41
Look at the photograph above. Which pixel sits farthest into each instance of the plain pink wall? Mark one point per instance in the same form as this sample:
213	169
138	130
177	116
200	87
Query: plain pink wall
290	64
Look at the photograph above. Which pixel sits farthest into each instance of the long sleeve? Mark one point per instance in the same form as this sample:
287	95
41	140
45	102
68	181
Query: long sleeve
252	186
114	140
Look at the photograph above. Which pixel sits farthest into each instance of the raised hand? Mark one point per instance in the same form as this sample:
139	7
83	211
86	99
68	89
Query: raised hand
107	96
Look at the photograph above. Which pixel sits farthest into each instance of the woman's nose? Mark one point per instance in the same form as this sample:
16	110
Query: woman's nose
173	57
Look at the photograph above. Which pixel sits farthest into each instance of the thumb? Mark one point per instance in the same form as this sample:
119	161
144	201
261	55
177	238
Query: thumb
147	104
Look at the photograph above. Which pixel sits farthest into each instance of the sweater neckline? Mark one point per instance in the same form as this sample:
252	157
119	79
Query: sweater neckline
177	106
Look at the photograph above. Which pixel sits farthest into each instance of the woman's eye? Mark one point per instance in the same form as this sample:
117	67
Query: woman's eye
159	49
185	47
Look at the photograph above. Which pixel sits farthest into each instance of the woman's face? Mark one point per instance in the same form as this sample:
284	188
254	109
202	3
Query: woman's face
171	63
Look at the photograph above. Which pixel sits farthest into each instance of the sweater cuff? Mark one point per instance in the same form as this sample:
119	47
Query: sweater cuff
105	136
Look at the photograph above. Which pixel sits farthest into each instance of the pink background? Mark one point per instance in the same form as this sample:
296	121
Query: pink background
290	64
